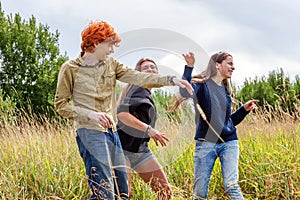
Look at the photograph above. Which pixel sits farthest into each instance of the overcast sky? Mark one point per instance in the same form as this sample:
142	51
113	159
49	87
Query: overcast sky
262	35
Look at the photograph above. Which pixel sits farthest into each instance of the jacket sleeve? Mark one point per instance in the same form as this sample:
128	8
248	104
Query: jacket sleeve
187	75
239	115
63	95
128	75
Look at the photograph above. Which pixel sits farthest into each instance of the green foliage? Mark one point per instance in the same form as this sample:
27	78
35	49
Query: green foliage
29	63
164	102
7	110
297	87
256	89
275	90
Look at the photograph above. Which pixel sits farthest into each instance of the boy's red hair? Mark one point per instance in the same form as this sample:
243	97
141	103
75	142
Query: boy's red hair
97	32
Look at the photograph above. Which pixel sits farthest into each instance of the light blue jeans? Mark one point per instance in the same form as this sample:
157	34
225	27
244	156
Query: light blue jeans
104	163
205	156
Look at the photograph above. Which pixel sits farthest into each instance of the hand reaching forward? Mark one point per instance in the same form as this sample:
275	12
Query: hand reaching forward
250	105
183	84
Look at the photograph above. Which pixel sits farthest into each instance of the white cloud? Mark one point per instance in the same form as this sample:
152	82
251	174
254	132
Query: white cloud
261	35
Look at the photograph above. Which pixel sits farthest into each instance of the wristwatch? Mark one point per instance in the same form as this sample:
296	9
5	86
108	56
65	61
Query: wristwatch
171	79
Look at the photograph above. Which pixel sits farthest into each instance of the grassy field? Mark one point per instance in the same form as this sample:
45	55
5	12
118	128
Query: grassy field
42	161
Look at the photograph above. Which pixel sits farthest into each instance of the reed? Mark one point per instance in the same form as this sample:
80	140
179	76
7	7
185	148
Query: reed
40	159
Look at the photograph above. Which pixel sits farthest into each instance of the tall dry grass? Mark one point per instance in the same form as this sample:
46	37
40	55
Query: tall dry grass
41	160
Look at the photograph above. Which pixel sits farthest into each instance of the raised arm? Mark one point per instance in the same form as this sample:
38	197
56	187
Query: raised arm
188	69
189	59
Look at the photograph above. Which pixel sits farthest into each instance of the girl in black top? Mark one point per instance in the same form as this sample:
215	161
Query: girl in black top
137	115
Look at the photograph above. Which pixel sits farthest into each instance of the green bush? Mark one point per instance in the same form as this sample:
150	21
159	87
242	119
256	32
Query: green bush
29	63
276	90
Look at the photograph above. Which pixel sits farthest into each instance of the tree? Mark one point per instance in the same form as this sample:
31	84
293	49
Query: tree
275	90
259	89
29	63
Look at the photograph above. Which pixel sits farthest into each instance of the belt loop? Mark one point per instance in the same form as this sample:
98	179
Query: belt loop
201	139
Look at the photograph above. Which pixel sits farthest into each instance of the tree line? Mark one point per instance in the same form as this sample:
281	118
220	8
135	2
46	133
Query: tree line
274	91
30	59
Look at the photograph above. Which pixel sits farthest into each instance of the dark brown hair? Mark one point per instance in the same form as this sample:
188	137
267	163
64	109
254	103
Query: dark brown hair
209	72
141	61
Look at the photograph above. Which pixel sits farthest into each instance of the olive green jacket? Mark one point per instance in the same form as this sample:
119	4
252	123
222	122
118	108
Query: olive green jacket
82	88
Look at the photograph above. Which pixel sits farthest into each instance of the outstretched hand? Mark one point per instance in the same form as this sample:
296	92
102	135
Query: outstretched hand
250	105
184	84
189	59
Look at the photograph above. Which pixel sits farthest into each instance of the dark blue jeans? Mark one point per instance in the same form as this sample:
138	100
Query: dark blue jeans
104	163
